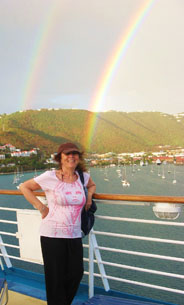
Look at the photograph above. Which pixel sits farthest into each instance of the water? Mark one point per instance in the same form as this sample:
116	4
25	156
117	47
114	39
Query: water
143	180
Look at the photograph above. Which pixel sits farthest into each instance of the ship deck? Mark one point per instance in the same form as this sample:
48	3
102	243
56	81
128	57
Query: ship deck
25	287
15	298
20	299
28	287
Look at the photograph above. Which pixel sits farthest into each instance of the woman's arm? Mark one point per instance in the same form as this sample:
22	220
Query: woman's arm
91	187
28	188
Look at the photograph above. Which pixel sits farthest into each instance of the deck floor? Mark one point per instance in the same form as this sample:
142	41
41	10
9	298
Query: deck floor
28	288
15	298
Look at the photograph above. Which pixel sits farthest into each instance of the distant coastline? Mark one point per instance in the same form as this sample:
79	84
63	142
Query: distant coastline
26	171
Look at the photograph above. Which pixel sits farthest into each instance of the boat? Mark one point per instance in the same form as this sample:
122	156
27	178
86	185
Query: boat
174	176
124	181
151	169
21	172
119	172
106	175
35	173
169	170
15	178
159	172
133	168
24	240
158	162
163	173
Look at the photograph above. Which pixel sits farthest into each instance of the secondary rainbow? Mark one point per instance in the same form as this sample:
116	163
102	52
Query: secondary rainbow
38	57
112	66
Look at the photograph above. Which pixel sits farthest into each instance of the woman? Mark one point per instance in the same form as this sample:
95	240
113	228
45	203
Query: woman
60	230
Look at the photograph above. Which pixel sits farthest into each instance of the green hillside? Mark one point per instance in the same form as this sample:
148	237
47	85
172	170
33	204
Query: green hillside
114	131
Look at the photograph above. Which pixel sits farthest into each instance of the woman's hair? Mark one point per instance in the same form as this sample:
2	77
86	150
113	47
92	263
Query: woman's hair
80	167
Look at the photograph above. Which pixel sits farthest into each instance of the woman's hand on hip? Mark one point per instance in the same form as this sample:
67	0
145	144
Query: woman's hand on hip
44	212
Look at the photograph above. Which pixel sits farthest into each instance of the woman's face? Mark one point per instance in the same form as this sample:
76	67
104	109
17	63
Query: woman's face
70	160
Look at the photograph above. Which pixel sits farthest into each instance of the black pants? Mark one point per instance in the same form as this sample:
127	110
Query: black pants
63	265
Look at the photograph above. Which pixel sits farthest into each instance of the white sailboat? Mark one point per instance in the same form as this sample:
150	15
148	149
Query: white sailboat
133	168
106	175
159	172
35	173
158	162
15	178
21	172
174	176
124	181
118	170
163	173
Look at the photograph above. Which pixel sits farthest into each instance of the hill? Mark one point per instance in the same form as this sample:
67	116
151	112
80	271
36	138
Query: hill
115	131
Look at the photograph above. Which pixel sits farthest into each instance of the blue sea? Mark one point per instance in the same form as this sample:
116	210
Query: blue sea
145	180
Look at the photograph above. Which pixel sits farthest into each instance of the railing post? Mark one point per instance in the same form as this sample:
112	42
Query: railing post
91	267
99	261
4	253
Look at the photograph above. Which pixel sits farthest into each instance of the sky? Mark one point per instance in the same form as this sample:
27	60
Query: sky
55	53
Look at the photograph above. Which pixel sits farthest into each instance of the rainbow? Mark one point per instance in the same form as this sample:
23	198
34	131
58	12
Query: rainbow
111	68
38	57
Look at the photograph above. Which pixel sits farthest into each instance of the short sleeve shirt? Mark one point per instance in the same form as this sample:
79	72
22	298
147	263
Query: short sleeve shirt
65	202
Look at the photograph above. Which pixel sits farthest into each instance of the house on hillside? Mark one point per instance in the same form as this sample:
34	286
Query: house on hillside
23	153
33	151
160	159
180	160
10	146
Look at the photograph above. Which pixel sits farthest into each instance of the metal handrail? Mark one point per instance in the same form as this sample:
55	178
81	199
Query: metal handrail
160	222
116	197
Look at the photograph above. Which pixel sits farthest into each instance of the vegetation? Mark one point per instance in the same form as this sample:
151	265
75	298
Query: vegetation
114	131
12	164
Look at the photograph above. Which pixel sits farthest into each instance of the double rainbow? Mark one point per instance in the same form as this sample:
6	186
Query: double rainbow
38	58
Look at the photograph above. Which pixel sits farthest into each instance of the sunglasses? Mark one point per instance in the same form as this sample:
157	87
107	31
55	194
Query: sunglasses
72	153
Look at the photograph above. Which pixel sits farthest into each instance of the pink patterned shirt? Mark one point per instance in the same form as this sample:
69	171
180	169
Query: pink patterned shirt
65	202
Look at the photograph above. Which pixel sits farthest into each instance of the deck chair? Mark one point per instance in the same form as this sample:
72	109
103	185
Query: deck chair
3	286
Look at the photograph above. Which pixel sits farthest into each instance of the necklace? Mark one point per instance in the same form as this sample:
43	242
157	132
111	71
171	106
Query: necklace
66	178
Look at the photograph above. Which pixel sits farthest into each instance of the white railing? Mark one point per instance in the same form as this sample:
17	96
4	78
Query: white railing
93	248
95	255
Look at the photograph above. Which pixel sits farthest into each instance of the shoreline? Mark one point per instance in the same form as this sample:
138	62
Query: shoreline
27	171
97	165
